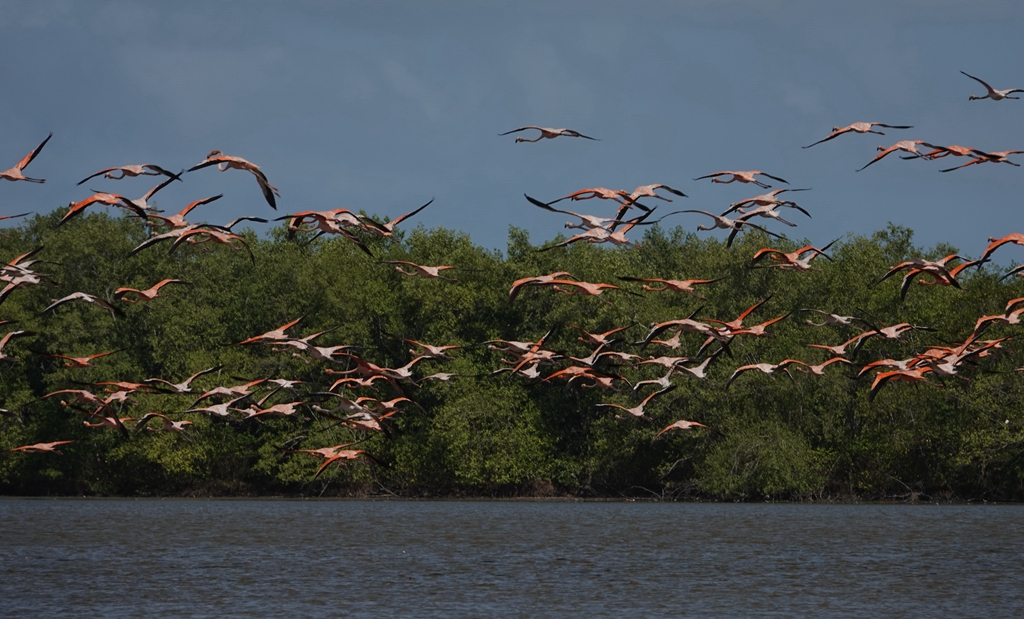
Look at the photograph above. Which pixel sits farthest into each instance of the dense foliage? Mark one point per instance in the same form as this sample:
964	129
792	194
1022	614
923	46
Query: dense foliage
812	437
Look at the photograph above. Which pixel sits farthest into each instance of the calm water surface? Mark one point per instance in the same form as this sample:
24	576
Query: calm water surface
229	558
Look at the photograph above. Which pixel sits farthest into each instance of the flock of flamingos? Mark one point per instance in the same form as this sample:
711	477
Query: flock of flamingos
102	406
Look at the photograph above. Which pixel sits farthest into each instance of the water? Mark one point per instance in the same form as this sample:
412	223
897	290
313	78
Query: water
259	558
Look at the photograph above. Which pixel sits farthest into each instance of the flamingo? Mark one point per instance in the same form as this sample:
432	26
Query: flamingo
648	191
684	324
41	447
7	338
944	151
857	341
913	376
432	352
113	422
88	298
993	244
758	330
681	424
674	285
274	335
738	322
145	295
586	288
700	371
860	127
766	368
79	362
15	173
993	94
227	162
108	199
547	133
984	157
598	339
142	169
602	193
219	410
743	177
792	260
603	235
333	454
766	199
638	411
921	265
833	320
937	279
220	238
587	222
771	211
418	270
89	397
390	225
819	370
663	382
168	425
178	220
733	225
909	146
184	386
1006	318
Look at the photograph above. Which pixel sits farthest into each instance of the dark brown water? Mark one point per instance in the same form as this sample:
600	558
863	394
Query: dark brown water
170	558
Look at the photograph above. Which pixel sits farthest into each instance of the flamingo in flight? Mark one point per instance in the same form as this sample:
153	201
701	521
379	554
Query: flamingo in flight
792	260
648	191
909	146
419	270
673	285
143	169
184	386
547	133
79	362
7	338
995	95
733	225
15	173
390	225
984	157
638	411
742	176
86	297
178	220
913	376
766	368
227	162
587	222
766	199
598	339
334	454
168	425
41	447
681	424
993	243
273	336
860	127
139	206
145	295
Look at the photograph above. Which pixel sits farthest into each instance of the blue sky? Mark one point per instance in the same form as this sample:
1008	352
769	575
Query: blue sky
384	105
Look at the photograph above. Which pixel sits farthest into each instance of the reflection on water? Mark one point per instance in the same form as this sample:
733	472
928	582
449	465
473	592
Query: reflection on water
231	558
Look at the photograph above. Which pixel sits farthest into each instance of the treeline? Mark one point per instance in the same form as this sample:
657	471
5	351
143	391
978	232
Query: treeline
500	435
